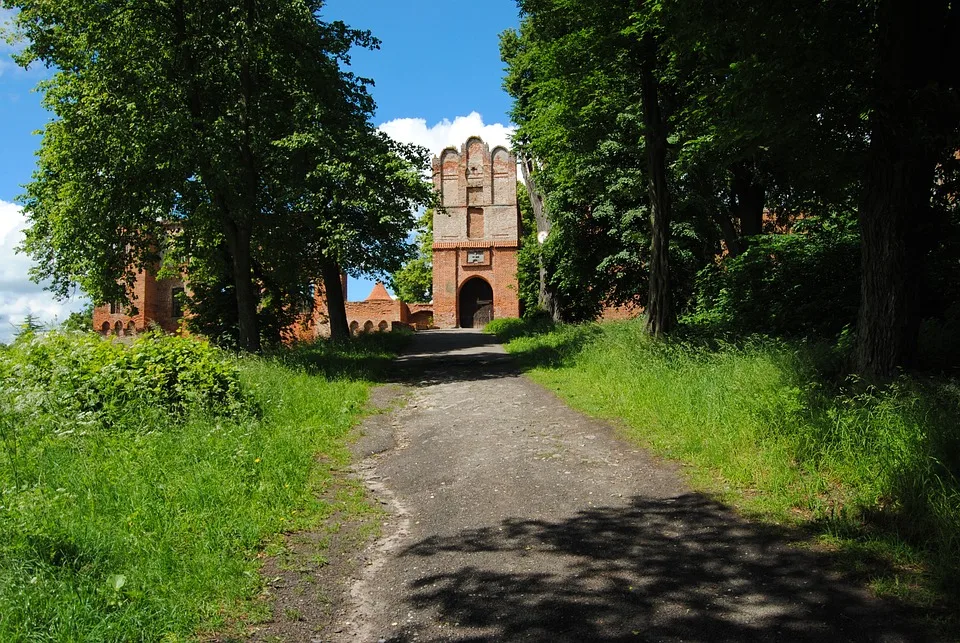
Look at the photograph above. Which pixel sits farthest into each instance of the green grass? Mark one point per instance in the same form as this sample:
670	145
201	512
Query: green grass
869	473
149	527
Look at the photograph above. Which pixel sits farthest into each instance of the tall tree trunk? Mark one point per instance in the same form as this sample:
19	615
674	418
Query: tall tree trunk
237	229
336	304
238	242
896	194
547	298
728	231
749	197
661	318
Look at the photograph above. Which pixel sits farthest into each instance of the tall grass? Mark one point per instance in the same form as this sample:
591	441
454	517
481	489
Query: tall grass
873	470
147	526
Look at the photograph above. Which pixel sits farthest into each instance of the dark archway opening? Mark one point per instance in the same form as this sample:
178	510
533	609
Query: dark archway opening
475	303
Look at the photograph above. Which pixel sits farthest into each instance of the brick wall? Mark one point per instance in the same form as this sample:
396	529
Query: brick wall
152	299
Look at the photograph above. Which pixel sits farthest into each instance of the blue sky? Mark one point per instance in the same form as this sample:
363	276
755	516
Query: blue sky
438	80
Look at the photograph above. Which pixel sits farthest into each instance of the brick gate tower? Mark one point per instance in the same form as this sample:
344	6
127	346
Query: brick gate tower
476	236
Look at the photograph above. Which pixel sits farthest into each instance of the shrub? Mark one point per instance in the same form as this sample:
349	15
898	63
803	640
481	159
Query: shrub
784	285
153	534
77	380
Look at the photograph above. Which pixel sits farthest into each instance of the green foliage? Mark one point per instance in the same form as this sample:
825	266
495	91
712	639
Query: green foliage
871	469
82	382
773	107
414	281
572	70
783	285
29	327
232	138
507	329
152	533
79	322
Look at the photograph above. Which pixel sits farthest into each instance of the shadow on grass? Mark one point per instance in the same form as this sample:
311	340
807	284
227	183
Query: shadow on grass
560	351
683	568
366	357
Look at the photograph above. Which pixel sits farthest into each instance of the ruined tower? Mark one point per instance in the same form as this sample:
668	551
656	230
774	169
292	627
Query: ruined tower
475	236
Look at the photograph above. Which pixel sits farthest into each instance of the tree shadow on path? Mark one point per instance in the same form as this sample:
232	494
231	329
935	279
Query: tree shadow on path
436	357
682	568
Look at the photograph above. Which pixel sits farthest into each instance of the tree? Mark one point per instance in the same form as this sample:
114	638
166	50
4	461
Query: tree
356	200
853	106
660	313
914	125
79	321
593	130
171	111
531	274
29	327
414	281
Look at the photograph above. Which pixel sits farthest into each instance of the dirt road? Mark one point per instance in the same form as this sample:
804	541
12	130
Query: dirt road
516	518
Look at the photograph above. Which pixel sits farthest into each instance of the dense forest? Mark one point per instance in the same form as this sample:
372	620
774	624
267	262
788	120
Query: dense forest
780	168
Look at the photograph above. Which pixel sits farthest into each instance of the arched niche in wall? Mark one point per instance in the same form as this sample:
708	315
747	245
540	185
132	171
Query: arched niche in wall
476	158
504	176
449	176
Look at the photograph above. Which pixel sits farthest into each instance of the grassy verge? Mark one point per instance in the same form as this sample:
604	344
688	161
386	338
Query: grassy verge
870	473
127	515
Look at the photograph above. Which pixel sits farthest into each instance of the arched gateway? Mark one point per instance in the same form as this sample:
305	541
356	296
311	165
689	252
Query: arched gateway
475	305
476	236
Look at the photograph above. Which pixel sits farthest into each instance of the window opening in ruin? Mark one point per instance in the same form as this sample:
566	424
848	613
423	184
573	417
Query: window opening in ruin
116	307
176	303
306	306
474	223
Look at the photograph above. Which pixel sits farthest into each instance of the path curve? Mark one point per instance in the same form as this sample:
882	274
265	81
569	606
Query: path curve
514	517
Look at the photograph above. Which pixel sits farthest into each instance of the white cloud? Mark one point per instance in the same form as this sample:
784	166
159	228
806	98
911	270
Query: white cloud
19	296
447	133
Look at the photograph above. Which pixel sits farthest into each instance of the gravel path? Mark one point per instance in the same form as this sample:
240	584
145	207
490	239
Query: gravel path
516	518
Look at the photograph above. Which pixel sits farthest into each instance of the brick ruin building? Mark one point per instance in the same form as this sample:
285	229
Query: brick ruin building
156	301
379	312
476	238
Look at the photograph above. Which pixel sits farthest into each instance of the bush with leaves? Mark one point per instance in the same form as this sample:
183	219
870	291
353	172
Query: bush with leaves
81	381
783	285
